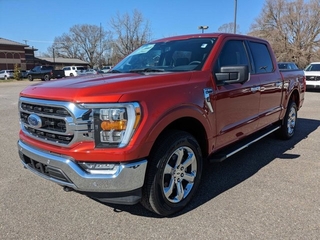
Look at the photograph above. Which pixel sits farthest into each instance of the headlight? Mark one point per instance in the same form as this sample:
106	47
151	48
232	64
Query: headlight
114	124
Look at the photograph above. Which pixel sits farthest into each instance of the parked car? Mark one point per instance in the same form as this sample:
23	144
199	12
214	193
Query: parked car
287	66
5	74
88	71
106	69
23	73
312	72
71	71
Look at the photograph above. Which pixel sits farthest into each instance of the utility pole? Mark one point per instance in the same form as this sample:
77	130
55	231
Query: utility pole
235	17
100	50
54	59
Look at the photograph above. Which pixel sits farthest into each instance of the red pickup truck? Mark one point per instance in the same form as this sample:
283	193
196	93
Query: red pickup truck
142	132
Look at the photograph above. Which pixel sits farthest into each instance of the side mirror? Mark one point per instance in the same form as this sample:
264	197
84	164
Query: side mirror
232	74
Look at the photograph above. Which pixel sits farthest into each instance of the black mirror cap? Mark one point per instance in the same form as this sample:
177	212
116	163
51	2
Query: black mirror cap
232	74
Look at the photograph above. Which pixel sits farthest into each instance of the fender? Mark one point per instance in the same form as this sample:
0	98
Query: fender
183	111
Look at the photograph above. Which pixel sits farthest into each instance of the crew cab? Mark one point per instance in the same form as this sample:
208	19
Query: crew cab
142	132
45	73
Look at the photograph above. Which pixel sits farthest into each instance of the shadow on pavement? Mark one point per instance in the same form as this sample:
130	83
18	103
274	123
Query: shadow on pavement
220	177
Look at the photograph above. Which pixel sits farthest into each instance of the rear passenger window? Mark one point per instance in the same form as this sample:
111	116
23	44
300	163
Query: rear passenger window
261	57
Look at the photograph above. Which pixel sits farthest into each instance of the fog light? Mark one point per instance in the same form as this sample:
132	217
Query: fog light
99	168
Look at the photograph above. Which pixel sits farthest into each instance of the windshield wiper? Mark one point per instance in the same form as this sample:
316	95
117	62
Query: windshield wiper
146	70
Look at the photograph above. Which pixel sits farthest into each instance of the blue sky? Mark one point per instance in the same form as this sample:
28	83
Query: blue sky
40	21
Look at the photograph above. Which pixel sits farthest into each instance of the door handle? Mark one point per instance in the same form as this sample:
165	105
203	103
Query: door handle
279	85
255	89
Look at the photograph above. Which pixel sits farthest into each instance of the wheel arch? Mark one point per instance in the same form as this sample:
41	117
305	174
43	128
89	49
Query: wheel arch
190	123
293	95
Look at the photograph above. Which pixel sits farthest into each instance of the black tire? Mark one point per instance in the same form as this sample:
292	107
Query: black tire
174	173
30	77
71	74
289	122
46	77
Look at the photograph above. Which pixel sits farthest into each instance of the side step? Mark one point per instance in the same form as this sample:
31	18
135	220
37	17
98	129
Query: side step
233	149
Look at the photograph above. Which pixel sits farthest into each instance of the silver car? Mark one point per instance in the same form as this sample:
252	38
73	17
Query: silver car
5	74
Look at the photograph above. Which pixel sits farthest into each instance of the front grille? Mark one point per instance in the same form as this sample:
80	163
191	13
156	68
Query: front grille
59	123
46	170
48	123
313	78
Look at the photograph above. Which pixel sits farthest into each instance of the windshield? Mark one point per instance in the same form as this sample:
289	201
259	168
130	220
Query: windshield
174	56
313	67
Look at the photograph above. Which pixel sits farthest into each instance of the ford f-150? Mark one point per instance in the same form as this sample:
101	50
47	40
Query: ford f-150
143	131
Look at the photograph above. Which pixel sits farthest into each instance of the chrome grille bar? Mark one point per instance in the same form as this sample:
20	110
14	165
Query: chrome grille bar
61	123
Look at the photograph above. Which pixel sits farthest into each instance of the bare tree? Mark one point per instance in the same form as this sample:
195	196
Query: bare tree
89	43
228	28
130	33
292	28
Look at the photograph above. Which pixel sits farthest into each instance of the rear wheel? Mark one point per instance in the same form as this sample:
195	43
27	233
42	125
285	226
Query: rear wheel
174	173
289	122
46	77
30	77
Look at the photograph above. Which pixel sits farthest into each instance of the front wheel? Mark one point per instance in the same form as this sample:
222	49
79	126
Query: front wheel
174	173
30	77
289	122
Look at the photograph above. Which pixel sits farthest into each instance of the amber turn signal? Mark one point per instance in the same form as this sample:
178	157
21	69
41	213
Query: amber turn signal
116	125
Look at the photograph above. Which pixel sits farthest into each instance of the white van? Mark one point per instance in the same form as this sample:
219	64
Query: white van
72	70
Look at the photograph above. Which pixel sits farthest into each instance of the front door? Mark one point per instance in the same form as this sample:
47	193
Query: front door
236	105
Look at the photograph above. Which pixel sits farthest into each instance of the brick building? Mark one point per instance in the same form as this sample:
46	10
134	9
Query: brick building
12	53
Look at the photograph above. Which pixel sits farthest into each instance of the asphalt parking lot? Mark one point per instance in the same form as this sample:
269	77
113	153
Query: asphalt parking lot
268	191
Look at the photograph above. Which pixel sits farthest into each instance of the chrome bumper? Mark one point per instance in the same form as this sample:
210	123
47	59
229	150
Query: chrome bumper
64	171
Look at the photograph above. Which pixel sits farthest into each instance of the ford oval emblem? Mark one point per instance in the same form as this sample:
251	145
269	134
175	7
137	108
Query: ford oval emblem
35	121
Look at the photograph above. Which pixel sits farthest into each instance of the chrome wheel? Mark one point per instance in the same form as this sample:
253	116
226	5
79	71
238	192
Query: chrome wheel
179	174
174	173
292	118
289	122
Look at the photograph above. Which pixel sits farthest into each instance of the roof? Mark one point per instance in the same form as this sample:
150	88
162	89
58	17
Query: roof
205	35
63	60
4	41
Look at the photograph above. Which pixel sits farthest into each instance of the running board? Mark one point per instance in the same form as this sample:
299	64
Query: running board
233	149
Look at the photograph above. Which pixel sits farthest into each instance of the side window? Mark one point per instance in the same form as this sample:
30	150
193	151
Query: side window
261	57
233	53
293	66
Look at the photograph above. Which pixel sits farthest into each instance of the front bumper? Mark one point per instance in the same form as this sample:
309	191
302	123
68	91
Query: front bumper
64	171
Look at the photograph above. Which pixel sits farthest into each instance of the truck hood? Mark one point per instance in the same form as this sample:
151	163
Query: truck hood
102	88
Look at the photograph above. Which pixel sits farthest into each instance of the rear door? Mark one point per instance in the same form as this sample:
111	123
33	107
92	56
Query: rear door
236	104
271	83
